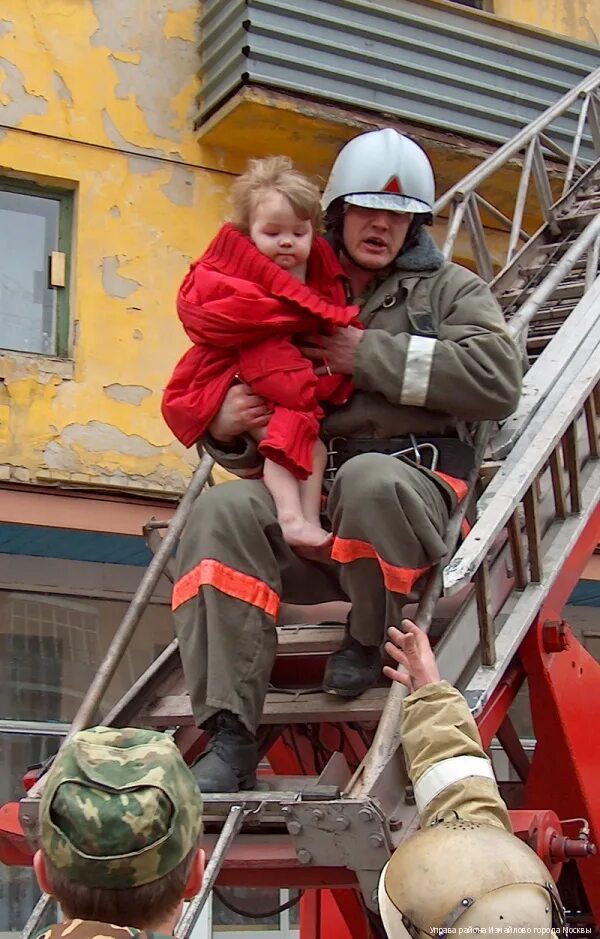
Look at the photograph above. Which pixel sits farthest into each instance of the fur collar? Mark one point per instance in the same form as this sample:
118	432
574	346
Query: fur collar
424	255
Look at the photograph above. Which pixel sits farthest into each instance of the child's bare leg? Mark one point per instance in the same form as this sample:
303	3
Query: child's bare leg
312	488
296	529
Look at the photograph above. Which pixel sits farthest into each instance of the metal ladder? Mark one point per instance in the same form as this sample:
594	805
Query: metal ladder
339	821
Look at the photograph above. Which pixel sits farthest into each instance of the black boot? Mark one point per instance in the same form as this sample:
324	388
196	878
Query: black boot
229	762
352	670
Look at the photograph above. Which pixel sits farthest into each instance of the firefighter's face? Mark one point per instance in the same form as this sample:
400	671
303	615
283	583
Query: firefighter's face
373	237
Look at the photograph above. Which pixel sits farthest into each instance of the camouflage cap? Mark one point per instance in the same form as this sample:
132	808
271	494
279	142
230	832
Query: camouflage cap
120	808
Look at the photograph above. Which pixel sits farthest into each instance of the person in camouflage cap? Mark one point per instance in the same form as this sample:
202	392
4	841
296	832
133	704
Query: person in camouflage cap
119	832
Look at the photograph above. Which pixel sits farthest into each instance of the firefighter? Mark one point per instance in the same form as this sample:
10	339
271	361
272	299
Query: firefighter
463	872
434	351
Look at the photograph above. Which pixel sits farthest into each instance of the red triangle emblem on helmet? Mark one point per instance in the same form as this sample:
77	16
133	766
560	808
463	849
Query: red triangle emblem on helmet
393	185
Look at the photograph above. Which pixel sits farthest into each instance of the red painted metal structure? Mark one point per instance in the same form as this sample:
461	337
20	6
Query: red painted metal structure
561	794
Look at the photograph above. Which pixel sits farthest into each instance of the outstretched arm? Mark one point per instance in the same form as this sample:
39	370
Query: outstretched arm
448	767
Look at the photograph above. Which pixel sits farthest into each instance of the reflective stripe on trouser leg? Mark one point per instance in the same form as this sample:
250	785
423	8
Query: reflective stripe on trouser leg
232	568
389	520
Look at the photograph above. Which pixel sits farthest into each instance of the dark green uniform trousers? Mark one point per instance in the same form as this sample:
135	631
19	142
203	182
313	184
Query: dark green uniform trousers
233	569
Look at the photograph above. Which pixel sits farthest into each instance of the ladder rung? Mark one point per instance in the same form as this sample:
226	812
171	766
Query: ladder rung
300	640
280	708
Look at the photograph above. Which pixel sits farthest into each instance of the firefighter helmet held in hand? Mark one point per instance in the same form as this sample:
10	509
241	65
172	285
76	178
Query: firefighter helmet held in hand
461	877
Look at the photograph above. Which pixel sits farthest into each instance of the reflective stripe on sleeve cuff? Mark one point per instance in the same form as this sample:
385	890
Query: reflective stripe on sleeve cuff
417	370
442	775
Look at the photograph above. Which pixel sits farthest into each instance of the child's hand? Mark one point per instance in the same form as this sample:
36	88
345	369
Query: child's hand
411	649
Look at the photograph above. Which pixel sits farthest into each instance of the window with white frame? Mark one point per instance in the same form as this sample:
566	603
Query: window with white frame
35	233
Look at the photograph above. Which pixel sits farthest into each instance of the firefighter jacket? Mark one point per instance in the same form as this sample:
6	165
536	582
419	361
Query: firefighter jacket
435	351
450	773
242	312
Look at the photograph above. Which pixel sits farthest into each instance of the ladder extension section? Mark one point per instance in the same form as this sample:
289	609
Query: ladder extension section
341	822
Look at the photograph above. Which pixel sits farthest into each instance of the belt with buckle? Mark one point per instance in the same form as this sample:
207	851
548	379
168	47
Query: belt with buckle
447	455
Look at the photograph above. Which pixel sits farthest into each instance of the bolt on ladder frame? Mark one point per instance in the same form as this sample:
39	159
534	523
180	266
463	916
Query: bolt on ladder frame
469	209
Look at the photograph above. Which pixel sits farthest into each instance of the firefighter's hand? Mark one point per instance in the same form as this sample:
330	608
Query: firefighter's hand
335	354
241	412
410	648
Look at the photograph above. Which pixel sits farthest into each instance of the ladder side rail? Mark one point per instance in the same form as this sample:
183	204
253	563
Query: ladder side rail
592	264
190	917
546	371
560	542
540	152
542	183
128	706
512	148
581	122
521	319
458	651
87	710
594	117
523	465
387	738
143	594
36	917
516	233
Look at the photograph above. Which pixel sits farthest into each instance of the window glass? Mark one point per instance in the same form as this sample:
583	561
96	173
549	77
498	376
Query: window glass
19	891
51	647
33	313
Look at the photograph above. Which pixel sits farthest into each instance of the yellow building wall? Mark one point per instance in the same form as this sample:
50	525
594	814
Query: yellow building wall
579	19
98	96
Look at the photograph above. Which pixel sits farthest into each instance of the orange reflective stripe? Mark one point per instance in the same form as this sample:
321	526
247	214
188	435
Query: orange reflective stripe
459	486
396	579
210	573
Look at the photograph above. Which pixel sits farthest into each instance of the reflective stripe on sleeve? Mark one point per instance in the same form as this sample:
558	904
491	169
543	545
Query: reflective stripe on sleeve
417	370
442	775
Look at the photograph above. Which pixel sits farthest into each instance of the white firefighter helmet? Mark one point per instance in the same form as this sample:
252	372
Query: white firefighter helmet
382	170
464	878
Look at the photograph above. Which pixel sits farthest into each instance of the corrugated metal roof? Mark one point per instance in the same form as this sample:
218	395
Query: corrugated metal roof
426	63
38	541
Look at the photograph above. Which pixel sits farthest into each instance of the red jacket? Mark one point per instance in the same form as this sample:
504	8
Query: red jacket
243	313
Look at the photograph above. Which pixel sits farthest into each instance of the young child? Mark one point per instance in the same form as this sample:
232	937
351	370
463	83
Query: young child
265	282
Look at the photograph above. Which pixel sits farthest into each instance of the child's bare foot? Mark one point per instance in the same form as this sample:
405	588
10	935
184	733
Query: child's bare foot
304	536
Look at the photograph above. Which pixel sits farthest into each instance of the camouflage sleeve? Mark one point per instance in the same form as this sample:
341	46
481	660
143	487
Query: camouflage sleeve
88	929
449	770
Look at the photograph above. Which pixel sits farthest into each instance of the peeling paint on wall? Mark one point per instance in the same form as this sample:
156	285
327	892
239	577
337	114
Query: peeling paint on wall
16	101
180	188
114	283
61	88
141	165
117	138
146	46
129	394
98	437
111	85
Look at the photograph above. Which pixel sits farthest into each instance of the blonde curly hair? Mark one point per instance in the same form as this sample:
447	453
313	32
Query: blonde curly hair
275	173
